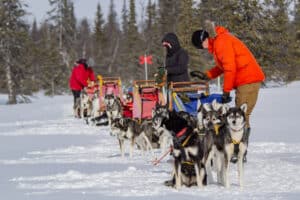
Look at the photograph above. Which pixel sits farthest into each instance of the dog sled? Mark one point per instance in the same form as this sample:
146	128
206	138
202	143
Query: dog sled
146	94
184	96
109	85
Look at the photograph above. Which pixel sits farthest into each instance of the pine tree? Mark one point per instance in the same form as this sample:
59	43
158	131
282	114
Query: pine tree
62	14
124	19
295	44
99	37
64	29
185	30
275	42
84	43
112	31
13	37
168	13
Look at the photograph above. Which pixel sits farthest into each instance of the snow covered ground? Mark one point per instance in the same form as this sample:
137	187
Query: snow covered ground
47	154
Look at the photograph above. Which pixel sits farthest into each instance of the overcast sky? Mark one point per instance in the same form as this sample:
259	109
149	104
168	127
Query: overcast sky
83	8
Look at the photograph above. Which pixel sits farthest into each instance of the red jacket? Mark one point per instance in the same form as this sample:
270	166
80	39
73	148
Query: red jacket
79	77
234	59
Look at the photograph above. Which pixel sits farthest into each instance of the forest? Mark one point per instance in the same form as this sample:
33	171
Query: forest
40	57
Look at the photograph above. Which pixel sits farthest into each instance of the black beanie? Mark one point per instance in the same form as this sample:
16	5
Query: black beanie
81	61
198	37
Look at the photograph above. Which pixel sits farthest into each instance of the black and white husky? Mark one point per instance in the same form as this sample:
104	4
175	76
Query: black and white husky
187	152
210	119
113	107
129	129
86	105
232	139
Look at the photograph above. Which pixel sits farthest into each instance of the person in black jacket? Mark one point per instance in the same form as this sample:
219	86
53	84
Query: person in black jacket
177	59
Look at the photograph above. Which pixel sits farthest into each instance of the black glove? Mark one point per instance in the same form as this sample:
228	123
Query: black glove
226	97
200	75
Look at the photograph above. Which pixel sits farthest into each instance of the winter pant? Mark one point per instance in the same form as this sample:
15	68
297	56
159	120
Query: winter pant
76	95
247	94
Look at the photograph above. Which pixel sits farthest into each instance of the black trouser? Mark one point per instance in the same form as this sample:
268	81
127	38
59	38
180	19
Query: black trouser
76	95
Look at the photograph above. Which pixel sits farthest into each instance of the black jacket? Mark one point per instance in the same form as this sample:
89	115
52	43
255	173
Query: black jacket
176	60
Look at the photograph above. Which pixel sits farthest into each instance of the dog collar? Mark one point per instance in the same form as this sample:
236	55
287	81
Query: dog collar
236	130
181	132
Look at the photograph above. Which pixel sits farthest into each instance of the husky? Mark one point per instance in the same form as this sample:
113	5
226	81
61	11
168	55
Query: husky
232	139
76	108
129	129
188	168
98	117
113	107
161	110
85	105
210	119
165	138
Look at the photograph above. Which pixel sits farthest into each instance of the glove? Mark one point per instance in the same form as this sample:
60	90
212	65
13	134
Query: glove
226	97
200	75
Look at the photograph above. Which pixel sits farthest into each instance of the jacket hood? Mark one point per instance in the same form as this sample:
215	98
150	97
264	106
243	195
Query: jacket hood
173	40
221	30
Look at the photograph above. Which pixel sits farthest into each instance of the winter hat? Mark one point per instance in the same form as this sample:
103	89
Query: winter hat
81	61
198	37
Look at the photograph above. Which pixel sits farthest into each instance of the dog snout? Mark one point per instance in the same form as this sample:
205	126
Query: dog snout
233	122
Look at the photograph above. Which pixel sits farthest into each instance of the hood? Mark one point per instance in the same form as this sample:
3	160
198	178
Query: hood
221	30
173	40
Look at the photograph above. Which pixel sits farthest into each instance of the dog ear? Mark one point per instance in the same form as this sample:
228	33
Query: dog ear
199	105
225	108
243	107
215	105
207	107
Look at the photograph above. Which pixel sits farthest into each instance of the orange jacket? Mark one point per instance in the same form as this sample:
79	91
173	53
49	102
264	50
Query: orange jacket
234	59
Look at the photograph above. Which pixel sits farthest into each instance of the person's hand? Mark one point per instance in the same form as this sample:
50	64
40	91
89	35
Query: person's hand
200	75
226	97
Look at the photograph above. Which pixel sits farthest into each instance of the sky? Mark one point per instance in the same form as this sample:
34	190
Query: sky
83	8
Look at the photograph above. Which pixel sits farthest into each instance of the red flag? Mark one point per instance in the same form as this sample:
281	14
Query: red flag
147	59
142	60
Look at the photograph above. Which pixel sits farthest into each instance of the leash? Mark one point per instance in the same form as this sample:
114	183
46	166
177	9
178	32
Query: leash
156	161
179	134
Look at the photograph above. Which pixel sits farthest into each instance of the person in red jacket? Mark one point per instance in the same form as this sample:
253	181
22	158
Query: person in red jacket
79	78
234	60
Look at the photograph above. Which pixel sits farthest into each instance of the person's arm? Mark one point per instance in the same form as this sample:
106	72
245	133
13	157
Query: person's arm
91	75
80	76
214	72
181	66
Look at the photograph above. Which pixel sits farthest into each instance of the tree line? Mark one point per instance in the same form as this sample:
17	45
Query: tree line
40	57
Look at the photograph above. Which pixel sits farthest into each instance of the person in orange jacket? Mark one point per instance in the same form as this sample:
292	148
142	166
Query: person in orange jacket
237	63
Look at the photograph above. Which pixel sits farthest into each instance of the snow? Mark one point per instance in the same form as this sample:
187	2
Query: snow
47	154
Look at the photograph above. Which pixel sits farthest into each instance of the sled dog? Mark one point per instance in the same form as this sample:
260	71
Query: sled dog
113	107
85	105
129	129
232	139
187	152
